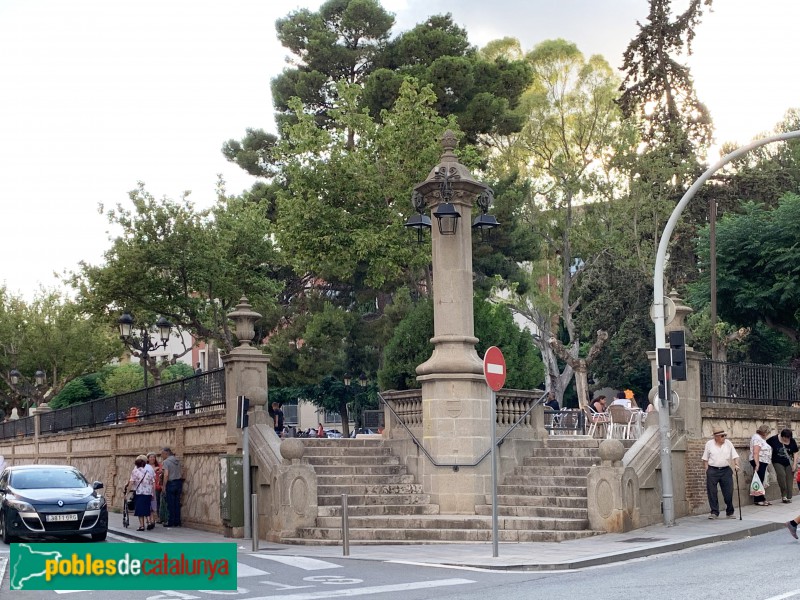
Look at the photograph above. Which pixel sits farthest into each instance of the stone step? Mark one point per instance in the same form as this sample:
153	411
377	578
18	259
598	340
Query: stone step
550	470
564	452
331	450
561	461
365	479
379	509
570	441
372	499
354	489
348	470
343	442
415	536
425	522
550	512
367	461
528	500
549	480
542	490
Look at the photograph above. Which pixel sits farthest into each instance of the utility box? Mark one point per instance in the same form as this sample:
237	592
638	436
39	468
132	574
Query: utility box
231	489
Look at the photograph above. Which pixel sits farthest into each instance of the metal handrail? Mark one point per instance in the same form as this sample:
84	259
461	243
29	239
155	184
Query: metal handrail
456	466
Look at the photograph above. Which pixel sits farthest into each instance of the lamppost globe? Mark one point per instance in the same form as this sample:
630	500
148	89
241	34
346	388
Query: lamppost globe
347	379
125	323
362	380
15	376
39	377
164	328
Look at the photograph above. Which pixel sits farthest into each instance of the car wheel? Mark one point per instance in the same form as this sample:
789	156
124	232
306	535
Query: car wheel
99	537
4	535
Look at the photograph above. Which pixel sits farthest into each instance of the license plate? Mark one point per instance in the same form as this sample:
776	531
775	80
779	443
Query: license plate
70	517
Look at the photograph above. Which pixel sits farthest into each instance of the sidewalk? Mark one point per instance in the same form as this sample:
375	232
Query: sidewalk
546	556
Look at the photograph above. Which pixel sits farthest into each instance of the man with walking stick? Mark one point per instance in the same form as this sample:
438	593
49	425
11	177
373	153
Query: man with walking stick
718	456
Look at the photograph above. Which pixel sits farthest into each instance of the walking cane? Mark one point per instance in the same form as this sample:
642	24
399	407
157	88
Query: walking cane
738	495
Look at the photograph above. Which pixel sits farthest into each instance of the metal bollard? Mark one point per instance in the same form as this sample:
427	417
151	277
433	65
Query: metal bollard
254	520
345	528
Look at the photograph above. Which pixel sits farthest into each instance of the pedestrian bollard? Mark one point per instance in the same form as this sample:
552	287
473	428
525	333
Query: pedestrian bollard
254	520
345	531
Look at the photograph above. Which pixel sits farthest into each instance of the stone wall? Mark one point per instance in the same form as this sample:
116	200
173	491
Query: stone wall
741	422
107	454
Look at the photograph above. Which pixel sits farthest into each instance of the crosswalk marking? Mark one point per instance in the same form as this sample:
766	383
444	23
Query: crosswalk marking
243	570
301	562
376	589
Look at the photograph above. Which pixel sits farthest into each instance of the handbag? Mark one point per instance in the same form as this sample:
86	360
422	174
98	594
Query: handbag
131	501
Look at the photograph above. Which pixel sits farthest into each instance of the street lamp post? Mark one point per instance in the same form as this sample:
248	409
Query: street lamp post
455	397
23	386
658	307
142	343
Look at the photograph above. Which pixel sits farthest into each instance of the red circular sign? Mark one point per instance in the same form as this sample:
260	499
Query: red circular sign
494	368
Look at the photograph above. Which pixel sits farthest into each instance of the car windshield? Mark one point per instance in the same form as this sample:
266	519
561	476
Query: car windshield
47	478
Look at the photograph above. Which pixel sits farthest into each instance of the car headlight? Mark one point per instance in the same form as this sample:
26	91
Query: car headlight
19	505
95	503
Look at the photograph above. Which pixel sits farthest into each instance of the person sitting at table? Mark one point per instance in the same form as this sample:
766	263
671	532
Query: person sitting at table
552	403
621	400
599	404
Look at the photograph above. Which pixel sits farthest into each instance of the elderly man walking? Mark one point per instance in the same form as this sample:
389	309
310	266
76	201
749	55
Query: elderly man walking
718	456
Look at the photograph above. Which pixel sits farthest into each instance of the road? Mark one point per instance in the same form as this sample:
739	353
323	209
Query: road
743	569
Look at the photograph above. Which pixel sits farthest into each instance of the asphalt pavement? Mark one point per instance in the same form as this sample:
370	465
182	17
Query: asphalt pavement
603	549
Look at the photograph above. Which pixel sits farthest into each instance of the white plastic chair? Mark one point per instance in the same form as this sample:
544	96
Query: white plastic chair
593	419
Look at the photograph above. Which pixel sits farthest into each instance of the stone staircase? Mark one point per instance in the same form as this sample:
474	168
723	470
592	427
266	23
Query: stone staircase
544	500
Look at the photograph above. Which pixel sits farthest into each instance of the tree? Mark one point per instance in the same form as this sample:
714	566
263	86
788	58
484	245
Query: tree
337	43
675	127
51	334
123	379
566	149
190	266
758	264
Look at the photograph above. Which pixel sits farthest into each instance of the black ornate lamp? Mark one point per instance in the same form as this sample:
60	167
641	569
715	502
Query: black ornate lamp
485	222
446	214
421	222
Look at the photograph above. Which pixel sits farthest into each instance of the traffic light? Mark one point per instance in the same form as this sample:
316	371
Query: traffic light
677	343
242	406
662	388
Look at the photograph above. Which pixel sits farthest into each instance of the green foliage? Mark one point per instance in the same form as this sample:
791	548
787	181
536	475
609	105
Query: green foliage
125	378
191	266
176	371
758	267
52	334
75	392
494	326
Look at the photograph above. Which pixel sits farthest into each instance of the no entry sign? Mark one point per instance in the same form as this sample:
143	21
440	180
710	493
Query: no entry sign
494	368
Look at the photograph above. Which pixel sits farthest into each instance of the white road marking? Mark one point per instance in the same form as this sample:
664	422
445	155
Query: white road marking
377	589
495	369
301	562
243	570
70	591
3	565
786	595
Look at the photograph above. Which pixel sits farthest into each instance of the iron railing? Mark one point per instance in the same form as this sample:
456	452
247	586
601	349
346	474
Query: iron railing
196	394
747	383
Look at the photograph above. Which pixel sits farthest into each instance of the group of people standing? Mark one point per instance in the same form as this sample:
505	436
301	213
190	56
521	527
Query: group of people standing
157	488
721	460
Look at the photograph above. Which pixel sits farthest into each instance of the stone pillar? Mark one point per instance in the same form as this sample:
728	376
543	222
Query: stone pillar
613	491
245	374
455	397
293	486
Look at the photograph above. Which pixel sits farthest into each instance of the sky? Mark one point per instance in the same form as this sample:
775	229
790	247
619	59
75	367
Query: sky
96	96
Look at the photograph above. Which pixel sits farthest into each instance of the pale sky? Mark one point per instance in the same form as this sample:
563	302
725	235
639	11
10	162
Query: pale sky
96	95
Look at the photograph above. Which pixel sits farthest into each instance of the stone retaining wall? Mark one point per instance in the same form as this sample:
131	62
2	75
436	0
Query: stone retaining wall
107	454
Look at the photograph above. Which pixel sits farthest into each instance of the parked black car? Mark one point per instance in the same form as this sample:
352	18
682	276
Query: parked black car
43	501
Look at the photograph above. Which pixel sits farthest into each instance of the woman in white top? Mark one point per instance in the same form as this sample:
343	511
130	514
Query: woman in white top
760	457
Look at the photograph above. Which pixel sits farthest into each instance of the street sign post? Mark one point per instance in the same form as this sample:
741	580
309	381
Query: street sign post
494	370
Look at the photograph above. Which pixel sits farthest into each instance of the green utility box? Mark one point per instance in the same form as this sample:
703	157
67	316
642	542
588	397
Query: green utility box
231	489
